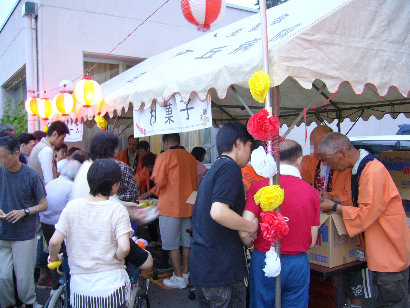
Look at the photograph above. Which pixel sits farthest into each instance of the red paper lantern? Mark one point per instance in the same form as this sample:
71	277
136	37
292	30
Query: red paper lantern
203	13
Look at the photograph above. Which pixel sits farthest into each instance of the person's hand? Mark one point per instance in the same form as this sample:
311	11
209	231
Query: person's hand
324	195
15	215
255	224
326	205
2	215
146	195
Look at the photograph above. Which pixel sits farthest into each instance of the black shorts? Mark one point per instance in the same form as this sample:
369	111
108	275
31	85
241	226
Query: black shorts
358	284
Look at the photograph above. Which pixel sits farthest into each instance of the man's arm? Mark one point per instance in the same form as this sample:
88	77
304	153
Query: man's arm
246	237
45	157
372	200
55	245
16	215
2	215
222	214
325	195
314	230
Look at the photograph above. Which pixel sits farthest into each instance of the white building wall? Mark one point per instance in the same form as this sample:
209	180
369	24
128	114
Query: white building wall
69	29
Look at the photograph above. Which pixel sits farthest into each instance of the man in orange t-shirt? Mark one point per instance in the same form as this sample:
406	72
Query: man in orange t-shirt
377	213
175	177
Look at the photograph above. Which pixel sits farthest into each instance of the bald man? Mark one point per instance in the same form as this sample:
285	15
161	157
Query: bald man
331	184
377	214
301	206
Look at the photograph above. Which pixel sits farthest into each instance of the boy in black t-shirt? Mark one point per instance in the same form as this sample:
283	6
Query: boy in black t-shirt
217	261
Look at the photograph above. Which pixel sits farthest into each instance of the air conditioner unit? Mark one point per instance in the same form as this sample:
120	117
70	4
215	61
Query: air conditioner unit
29	8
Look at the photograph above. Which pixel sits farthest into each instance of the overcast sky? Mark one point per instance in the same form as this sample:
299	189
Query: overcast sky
5	8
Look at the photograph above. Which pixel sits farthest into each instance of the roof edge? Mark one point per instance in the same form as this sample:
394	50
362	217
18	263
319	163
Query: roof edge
240	7
8	17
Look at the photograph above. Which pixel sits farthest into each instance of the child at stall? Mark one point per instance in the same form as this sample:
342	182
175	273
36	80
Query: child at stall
97	232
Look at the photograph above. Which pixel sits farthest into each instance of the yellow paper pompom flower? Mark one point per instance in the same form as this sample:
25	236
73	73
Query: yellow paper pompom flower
259	85
269	197
101	122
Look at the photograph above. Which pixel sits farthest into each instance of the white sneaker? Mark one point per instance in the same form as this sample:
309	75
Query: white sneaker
175	282
186	277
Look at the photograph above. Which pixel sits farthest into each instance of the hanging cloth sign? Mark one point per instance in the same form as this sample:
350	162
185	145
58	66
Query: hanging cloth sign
174	117
76	132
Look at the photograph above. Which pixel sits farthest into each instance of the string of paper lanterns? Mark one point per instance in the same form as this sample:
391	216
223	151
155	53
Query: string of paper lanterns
86	91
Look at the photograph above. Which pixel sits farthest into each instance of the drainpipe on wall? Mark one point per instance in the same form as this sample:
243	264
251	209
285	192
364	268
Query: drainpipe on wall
35	58
29	12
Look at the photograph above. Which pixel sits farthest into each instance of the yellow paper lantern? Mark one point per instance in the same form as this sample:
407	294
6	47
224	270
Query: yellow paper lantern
64	103
31	105
45	108
87	92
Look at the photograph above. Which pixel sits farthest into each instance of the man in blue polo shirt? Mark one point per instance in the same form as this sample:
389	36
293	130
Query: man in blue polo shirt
217	261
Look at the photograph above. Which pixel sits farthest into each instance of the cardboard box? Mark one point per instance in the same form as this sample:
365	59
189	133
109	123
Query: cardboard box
334	246
398	164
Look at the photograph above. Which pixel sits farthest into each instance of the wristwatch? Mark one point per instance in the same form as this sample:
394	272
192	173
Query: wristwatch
335	206
26	212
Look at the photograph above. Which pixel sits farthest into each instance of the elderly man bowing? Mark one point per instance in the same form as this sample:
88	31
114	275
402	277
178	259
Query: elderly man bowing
377	212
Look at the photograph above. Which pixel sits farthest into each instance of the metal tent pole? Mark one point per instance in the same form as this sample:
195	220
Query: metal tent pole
272	109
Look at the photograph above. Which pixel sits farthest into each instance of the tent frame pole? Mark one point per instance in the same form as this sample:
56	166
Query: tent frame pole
242	101
273	111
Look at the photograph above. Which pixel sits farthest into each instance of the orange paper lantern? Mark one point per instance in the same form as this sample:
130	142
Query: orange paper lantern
87	92
64	103
31	105
45	108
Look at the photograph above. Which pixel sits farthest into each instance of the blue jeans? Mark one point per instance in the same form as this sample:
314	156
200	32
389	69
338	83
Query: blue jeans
222	297
295	280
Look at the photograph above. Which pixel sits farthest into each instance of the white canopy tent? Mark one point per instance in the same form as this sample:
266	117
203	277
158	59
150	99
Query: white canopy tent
357	48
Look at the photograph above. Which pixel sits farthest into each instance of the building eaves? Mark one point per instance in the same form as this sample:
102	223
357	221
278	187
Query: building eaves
244	8
8	17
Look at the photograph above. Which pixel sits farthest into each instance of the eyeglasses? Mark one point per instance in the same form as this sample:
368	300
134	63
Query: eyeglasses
337	152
